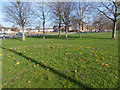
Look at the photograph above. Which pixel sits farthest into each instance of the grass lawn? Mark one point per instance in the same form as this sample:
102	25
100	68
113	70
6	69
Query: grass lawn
87	62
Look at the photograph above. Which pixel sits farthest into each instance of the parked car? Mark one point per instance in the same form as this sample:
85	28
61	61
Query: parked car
78	32
4	35
20	34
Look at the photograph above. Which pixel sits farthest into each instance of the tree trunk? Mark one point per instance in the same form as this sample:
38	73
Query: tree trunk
39	30
3	37
79	30
23	34
82	25
114	30
115	21
59	28
43	27
43	32
66	31
87	29
59	32
43	15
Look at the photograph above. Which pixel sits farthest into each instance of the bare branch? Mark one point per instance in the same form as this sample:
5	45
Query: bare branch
105	14
20	13
108	8
118	14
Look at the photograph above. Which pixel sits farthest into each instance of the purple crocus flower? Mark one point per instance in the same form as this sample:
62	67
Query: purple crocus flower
80	75
15	60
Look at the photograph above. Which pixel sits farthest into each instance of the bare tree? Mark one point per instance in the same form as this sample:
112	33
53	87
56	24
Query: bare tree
56	9
98	21
111	12
74	23
19	13
88	24
43	18
41	14
67	8
118	24
107	23
81	11
102	22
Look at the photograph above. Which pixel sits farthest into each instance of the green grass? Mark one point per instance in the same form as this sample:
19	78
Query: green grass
87	62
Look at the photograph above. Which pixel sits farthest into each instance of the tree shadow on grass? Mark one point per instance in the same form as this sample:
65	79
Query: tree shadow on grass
53	70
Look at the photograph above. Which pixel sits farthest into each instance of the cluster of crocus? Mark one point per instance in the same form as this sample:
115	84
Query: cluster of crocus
78	56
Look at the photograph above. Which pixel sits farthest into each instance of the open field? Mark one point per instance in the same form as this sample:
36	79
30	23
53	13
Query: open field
87	62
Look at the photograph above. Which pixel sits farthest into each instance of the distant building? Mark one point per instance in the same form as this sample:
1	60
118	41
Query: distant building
56	28
76	28
9	30
35	30
15	30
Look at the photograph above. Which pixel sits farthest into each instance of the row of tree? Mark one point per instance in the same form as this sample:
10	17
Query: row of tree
102	22
26	14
